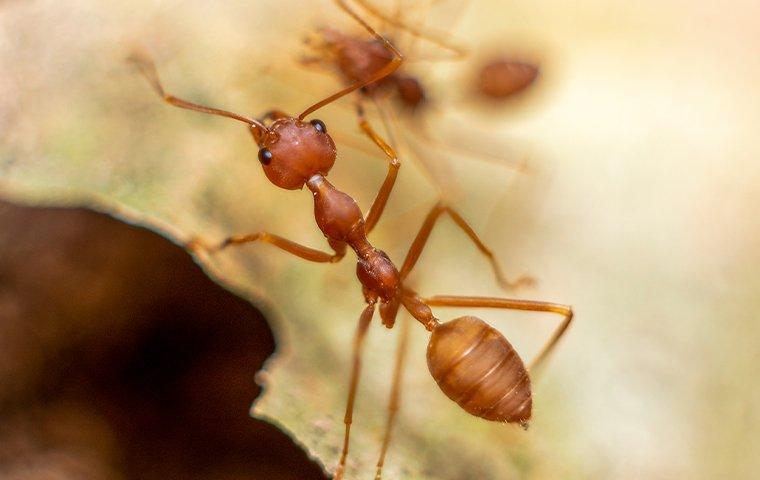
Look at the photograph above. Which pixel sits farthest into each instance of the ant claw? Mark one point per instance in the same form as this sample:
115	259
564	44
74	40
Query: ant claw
194	245
338	473
198	246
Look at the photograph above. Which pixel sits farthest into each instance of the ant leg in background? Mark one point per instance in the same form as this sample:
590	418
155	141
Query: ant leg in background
519	165
439	39
388	69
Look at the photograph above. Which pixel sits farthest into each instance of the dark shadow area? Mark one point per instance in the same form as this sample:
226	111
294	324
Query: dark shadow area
120	359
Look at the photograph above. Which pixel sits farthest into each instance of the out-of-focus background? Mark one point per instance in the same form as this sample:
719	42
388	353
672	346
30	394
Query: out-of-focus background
121	359
637	208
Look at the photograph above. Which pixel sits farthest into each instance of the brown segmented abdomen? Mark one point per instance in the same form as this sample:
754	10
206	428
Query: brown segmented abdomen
477	367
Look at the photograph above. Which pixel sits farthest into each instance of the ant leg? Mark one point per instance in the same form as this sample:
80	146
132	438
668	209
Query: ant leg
437	38
378	205
387	69
512	304
435	174
147	68
296	249
427	227
394	402
520	165
356	355
389	311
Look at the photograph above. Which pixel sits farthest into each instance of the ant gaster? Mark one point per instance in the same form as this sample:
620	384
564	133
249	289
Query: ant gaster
472	362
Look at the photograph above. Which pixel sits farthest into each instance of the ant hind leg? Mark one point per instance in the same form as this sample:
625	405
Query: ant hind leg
356	355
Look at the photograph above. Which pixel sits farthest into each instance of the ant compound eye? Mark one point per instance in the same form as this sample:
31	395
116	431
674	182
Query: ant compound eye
265	156
319	125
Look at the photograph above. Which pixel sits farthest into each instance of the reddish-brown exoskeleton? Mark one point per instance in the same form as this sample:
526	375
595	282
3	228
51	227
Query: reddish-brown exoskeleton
473	363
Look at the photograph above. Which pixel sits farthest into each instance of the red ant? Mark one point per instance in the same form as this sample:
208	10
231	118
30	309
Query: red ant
355	58
472	362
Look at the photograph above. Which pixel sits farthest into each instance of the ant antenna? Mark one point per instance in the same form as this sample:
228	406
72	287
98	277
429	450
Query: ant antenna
148	69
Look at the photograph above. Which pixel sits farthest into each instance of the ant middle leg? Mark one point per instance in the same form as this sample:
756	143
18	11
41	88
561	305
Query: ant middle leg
424	234
274	115
356	355
503	161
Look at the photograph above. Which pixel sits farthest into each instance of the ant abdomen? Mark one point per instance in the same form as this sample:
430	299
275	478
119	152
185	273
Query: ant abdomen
478	368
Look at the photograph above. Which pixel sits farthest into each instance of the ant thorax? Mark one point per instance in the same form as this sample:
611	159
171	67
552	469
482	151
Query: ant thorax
337	214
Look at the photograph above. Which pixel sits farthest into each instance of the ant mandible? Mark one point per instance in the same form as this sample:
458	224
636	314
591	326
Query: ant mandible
472	362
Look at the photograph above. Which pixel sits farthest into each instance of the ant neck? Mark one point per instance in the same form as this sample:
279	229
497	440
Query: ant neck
317	182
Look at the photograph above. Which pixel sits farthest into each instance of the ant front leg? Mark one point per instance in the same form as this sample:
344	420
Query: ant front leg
378	205
301	251
356	355
424	234
513	304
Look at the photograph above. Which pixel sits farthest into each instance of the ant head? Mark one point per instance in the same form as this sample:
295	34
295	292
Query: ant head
292	151
356	57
